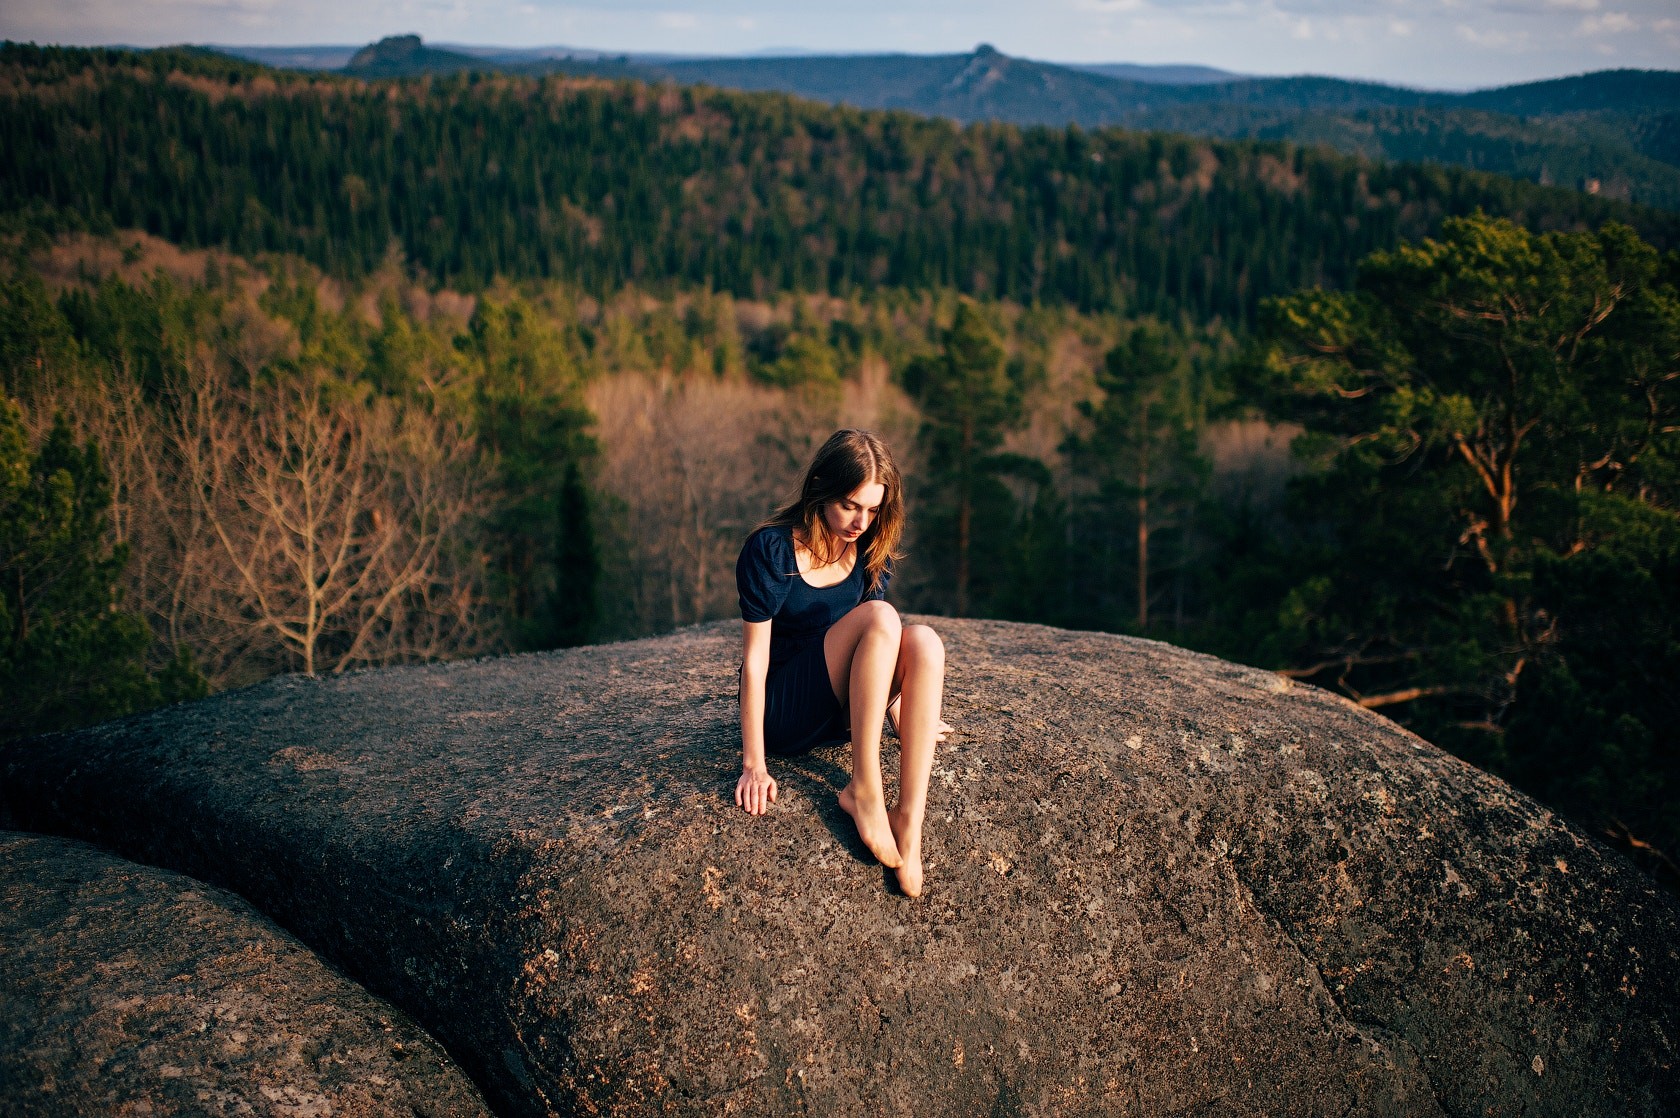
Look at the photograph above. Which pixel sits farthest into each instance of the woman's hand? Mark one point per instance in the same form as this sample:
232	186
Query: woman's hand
756	790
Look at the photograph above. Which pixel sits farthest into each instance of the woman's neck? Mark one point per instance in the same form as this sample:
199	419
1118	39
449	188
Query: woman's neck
824	552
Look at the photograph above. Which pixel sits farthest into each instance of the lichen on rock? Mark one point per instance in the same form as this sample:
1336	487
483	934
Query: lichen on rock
1157	883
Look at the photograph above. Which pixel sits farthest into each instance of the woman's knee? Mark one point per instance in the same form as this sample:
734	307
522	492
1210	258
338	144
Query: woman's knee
878	615
921	645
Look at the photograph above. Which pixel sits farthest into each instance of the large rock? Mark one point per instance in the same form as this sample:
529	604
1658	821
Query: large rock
128	990
1158	884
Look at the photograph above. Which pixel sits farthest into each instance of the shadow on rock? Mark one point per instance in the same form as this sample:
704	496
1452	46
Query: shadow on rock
1157	883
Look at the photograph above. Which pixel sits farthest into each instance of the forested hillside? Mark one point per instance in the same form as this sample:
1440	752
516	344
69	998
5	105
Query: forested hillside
1607	133
310	373
605	184
1604	132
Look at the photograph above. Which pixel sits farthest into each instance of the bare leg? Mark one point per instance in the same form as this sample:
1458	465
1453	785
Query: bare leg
892	714
862	651
920	677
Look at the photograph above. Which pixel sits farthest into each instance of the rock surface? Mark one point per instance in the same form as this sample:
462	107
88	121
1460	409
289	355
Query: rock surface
128	990
1158	884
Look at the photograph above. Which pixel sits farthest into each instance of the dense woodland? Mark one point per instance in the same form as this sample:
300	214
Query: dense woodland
310	374
1612	129
605	184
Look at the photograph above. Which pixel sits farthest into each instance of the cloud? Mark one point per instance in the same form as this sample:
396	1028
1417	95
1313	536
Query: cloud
1610	23
677	21
1574	5
1492	39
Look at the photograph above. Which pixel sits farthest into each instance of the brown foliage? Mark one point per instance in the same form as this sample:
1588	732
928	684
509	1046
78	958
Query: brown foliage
289	527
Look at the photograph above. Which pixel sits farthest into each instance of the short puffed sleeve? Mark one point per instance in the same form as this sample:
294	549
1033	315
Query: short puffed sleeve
764	572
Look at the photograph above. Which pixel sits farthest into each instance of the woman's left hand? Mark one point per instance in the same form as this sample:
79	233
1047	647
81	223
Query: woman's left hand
755	791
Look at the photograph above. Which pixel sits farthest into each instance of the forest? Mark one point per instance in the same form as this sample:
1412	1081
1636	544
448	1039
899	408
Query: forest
605	184
310	374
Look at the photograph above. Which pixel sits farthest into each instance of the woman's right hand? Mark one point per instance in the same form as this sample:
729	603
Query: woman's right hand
756	790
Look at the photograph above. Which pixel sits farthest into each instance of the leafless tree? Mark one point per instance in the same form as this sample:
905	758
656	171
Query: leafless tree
292	526
694	463
335	521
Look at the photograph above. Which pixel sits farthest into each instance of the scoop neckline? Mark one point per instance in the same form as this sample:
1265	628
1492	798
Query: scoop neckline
826	586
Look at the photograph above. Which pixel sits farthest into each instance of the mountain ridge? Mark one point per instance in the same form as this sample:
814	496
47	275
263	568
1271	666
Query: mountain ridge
1615	132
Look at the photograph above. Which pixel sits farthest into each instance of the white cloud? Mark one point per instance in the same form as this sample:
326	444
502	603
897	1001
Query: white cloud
1610	23
677	21
1399	28
1490	38
1574	5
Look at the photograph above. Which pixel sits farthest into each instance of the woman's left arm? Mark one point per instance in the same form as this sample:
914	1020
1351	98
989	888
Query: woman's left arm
756	790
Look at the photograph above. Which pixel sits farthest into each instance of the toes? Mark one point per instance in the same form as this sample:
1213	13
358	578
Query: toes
910	879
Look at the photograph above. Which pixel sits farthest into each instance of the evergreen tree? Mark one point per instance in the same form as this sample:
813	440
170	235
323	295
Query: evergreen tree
531	418
69	654
968	399
1141	453
1489	548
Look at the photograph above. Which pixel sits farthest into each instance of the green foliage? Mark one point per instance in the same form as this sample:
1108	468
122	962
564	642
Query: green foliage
1149	478
1489	551
806	362
36	343
609	185
69	654
1592	727
532	421
969	395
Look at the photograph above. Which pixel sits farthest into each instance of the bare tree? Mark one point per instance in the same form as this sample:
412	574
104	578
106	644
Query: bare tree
693	463
292	526
334	521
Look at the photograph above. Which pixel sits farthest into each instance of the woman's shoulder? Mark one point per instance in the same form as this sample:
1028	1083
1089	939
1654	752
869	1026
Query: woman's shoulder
761	573
773	545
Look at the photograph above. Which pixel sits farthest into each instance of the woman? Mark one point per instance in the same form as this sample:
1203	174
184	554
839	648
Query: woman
822	650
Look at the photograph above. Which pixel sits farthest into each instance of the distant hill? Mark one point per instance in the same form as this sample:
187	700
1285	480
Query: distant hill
402	55
294	58
599	184
1618	91
1615	133
1170	75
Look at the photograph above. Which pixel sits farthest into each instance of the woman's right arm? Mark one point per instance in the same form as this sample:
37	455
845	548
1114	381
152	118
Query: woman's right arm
756	790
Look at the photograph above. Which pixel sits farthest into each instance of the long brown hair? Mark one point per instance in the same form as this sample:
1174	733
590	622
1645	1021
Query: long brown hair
848	460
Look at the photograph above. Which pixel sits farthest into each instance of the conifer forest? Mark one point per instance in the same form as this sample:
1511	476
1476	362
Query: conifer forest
304	373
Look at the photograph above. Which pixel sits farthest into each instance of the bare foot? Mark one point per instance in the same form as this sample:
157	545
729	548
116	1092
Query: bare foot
873	828
939	732
909	842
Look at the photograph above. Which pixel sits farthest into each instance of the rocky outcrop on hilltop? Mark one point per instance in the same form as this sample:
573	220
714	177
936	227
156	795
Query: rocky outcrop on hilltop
128	990
1158	883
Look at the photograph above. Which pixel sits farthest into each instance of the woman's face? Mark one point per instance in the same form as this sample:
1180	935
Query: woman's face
851	516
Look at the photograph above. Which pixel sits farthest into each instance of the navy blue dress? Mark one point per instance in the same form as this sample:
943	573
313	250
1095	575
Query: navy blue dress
800	710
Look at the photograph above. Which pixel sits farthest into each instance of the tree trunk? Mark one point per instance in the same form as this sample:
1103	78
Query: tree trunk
965	516
1143	520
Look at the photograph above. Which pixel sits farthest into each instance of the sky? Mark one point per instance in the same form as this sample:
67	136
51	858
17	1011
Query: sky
1441	44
